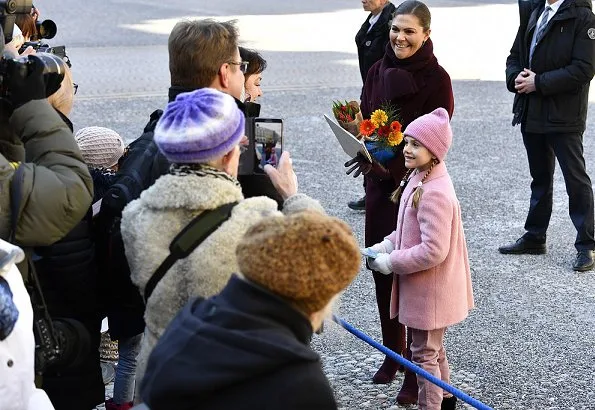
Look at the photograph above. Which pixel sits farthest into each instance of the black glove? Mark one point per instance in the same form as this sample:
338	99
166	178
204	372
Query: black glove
361	165
25	81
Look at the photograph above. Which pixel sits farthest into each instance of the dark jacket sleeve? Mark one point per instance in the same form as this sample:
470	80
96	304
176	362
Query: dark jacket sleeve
57	188
513	62
581	69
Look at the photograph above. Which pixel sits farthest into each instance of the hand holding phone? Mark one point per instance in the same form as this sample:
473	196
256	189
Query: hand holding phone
283	177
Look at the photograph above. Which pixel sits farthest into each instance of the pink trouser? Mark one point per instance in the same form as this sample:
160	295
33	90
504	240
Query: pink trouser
427	348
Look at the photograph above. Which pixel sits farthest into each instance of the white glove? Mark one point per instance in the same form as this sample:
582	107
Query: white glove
381	264
385	246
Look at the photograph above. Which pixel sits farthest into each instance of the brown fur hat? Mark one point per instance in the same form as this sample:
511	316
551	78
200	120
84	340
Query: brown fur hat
306	258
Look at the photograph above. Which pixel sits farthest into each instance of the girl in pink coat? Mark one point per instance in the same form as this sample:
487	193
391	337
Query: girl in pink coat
427	253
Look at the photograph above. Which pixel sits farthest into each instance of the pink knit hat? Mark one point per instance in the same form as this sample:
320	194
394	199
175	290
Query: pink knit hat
432	131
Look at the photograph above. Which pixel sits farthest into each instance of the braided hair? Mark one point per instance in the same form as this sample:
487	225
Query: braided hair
419	190
396	195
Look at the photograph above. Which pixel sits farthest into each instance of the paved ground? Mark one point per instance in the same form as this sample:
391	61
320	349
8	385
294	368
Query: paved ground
529	343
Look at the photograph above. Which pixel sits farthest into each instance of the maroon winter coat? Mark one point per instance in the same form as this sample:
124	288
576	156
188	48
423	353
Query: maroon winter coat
415	86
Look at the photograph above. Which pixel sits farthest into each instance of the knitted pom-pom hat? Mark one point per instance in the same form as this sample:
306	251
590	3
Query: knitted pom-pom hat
432	131
306	258
199	126
101	147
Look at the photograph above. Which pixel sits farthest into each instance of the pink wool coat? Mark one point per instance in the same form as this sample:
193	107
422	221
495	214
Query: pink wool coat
430	256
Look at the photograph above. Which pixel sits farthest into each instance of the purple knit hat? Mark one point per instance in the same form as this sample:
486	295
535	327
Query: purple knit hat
432	131
199	126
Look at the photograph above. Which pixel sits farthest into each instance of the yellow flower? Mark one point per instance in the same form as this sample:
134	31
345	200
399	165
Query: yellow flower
395	138
379	118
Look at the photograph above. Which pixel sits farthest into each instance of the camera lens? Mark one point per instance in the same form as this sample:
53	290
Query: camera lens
53	71
46	29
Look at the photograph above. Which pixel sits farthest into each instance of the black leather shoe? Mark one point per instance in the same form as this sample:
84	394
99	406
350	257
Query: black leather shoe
584	261
524	246
358	205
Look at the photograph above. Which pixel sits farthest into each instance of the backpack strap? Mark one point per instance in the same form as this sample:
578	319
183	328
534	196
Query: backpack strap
16	194
188	239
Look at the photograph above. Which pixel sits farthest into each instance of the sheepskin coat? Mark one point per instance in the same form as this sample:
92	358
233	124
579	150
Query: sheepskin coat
430	257
150	223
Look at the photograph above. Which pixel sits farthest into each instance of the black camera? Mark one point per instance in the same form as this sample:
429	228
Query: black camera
8	11
53	71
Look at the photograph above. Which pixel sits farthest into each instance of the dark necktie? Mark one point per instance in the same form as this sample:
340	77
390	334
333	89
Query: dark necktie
542	24
540	30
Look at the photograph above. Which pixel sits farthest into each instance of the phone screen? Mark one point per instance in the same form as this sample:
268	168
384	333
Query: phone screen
268	138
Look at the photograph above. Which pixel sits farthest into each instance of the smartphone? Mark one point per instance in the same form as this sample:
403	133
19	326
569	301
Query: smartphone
268	141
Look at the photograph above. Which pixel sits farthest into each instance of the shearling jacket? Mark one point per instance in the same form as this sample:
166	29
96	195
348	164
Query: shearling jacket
150	223
430	257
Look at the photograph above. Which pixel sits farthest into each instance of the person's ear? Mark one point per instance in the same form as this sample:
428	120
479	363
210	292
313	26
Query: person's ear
427	34
224	75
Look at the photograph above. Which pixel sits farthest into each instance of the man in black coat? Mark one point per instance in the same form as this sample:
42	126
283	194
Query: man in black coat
550	66
371	41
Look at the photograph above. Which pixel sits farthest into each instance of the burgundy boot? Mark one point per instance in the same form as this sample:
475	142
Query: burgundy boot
386	373
110	405
449	403
408	393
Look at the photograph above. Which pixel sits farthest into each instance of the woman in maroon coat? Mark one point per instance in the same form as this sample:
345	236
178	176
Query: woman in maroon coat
411	80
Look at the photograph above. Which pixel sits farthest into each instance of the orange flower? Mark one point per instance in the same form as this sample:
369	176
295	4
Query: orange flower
395	126
395	138
366	128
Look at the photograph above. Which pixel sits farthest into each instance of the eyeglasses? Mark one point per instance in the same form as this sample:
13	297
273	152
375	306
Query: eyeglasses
243	65
76	87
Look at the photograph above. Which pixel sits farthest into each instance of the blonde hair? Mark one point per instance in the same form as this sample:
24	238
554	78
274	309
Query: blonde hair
63	99
396	195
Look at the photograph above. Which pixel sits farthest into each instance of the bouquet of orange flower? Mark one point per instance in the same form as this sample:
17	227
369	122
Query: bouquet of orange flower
348	115
383	133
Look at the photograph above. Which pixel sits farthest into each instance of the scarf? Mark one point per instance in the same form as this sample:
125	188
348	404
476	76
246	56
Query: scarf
203	171
397	76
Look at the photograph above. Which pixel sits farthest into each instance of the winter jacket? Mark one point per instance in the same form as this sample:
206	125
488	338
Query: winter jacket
415	86
57	188
150	223
17	351
371	45
243	349
433	286
67	273
564	63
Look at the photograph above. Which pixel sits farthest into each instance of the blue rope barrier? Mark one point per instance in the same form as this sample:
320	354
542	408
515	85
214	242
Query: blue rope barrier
416	369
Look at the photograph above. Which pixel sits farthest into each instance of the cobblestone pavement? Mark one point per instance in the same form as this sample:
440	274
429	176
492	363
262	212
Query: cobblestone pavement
529	343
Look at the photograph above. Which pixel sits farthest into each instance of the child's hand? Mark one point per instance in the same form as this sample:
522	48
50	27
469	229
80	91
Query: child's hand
381	264
385	246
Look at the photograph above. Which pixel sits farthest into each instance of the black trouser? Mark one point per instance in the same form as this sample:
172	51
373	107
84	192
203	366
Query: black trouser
542	150
393	332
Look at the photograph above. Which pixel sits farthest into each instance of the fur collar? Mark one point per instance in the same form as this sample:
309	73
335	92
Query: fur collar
190	192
